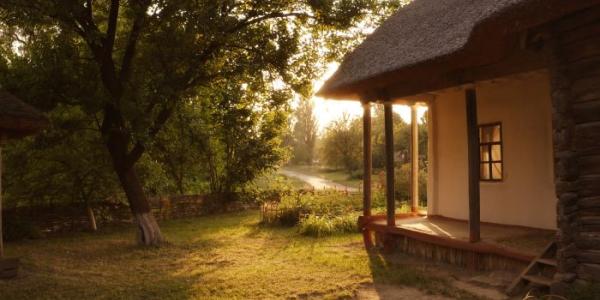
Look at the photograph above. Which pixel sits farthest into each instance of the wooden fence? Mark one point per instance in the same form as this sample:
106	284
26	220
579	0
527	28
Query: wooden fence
58	219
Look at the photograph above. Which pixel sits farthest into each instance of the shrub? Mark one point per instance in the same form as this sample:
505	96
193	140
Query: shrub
15	229
290	216
402	183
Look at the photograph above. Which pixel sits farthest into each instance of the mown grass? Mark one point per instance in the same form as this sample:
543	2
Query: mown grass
218	257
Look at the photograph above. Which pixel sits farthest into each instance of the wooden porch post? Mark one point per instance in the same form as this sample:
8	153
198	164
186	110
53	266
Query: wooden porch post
367	171
1	236
414	159
367	159
389	164
474	165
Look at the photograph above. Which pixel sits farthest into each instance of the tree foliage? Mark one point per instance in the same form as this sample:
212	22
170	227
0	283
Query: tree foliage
304	134
130	65
341	144
61	166
226	141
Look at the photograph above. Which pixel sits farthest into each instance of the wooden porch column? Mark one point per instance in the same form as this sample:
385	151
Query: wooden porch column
367	159
1	237
474	165
367	171
414	159
389	164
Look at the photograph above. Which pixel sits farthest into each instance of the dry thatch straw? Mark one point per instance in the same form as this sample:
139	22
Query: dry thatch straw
18	119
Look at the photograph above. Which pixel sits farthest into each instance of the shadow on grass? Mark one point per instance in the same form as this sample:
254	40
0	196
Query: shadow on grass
389	269
110	265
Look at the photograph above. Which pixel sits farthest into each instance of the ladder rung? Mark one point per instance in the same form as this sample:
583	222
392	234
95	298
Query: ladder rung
538	280
547	261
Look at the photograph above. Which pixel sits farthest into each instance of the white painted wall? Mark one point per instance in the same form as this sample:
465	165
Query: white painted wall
526	196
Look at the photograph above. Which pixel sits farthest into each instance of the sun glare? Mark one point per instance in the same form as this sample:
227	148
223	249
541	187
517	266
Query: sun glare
327	110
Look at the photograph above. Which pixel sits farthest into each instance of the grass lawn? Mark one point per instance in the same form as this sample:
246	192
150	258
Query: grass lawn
337	176
218	257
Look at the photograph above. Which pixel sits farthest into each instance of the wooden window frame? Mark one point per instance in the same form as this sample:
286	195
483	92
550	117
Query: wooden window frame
490	163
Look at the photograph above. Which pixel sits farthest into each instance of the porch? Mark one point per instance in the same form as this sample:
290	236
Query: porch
466	203
502	247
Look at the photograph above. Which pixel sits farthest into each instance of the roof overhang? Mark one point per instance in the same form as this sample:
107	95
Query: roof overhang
18	119
497	46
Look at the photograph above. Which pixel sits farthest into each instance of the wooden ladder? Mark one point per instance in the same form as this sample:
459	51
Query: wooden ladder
539	272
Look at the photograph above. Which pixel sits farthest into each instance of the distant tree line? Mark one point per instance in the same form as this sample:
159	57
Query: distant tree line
340	147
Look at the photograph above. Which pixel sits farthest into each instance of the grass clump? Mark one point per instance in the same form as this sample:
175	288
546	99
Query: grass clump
320	226
326	213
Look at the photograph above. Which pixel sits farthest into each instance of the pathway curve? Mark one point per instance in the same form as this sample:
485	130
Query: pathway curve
317	182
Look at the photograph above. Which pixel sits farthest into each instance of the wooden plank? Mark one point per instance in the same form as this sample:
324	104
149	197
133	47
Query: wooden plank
587	112
538	280
481	248
548	261
519	283
474	165
389	164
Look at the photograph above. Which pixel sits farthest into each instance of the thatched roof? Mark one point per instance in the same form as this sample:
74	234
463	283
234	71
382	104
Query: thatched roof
429	30
18	119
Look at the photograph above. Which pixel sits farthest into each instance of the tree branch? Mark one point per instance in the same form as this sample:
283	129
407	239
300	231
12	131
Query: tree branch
134	35
139	148
111	31
218	43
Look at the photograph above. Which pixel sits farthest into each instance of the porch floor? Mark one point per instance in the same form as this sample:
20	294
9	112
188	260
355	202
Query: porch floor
524	240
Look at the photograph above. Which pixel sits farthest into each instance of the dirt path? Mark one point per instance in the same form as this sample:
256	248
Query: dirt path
392	292
317	182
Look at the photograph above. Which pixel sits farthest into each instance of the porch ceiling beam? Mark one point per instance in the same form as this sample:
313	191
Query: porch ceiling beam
389	163
474	165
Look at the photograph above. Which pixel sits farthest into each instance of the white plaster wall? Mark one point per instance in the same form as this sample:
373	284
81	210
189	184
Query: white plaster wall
526	195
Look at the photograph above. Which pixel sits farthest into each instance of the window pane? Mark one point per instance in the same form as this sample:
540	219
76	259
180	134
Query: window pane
486	134
495	133
485	153
485	171
497	171
496	153
490	133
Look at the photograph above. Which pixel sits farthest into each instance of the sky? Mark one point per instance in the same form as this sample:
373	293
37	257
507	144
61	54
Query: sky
327	110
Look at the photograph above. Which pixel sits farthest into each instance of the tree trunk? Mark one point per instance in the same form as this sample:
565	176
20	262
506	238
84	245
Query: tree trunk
149	233
91	218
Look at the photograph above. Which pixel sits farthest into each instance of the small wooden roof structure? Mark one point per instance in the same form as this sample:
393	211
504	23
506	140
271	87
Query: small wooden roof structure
18	119
430	45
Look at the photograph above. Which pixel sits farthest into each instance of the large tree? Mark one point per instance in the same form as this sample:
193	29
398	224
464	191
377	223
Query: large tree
233	133
131	64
